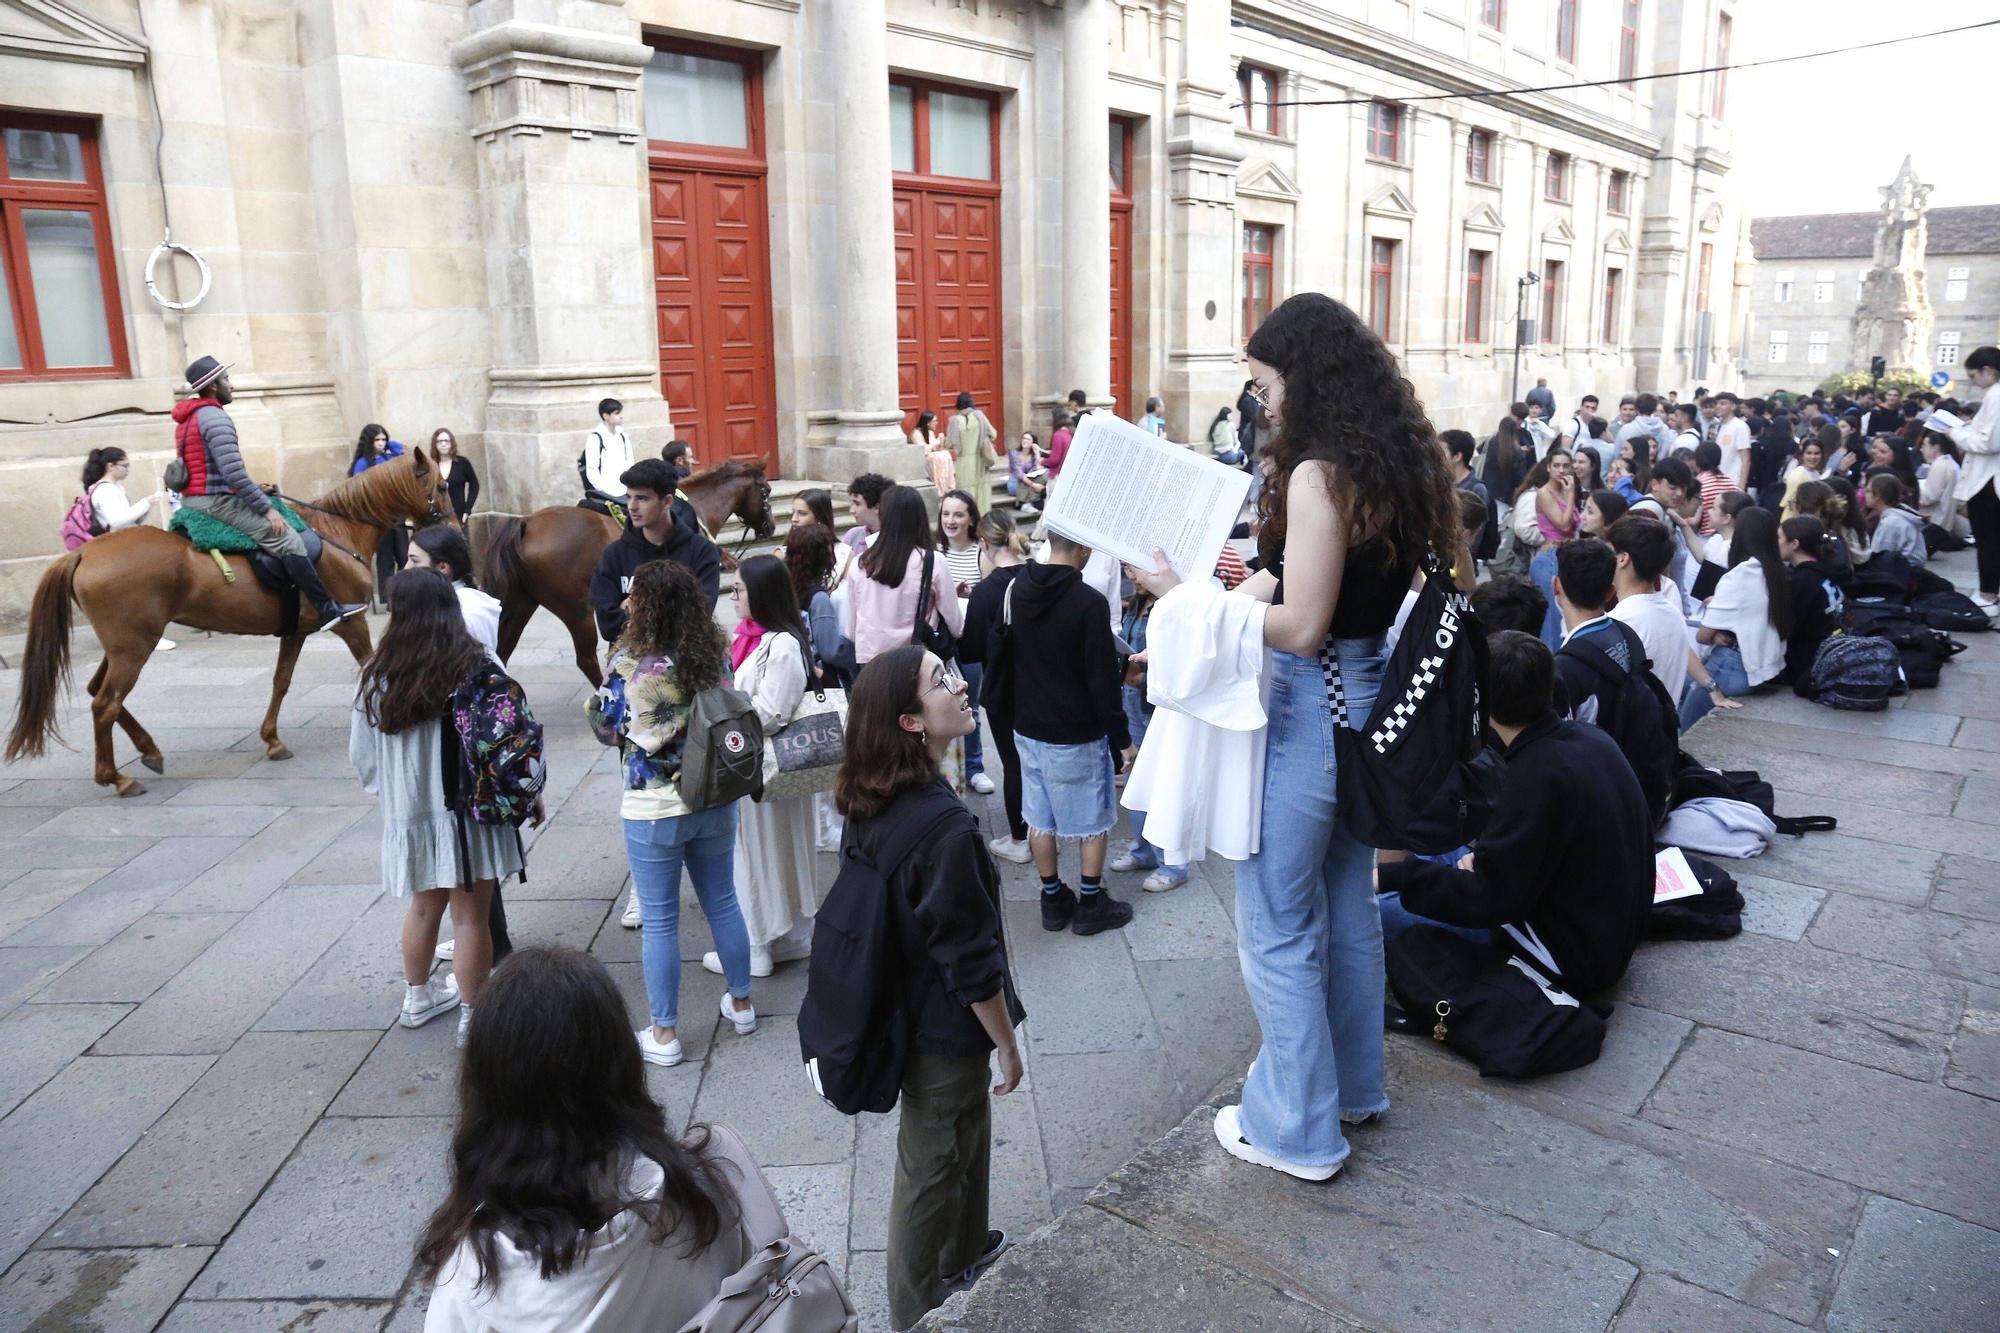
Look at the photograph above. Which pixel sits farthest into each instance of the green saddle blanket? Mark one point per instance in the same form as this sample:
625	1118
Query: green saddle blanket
209	533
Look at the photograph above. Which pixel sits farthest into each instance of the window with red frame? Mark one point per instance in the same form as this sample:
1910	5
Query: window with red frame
1382	287
1479	156
1615	193
1614	283
1260	243
1722	26
1257	89
1385	131
1493	13
1552	302
1566	31
1477	264
59	311
1555	183
1628	40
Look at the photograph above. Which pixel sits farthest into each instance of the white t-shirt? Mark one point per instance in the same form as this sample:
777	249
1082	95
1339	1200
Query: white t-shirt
607	456
1733	438
1742	605
481	613
1657	619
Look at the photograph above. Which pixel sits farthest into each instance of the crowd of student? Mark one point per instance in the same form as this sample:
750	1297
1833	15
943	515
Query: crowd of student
1640	571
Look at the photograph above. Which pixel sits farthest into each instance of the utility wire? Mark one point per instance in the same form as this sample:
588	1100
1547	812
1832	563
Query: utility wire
1636	78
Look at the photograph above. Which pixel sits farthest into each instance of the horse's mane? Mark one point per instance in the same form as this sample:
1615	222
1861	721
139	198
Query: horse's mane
727	470
378	496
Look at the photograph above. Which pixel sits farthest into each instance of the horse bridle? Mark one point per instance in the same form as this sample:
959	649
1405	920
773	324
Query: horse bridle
436	515
764	488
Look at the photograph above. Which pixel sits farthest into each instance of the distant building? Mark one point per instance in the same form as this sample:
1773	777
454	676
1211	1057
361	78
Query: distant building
1807	295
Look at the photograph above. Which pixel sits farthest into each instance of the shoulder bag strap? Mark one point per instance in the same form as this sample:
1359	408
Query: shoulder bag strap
923	598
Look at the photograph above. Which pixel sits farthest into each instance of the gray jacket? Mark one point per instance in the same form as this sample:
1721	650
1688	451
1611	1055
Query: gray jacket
225	459
1900	531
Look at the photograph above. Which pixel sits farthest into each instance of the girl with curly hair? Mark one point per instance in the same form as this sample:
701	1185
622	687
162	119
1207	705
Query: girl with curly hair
1359	496
670	651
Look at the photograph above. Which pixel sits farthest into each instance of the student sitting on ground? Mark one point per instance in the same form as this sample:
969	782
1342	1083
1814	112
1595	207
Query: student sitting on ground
1509	602
1603	676
1899	530
1744	625
1651	604
1818	606
1563	872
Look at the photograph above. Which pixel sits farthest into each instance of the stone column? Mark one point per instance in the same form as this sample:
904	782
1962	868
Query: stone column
1201	234
556	122
869	435
1086	210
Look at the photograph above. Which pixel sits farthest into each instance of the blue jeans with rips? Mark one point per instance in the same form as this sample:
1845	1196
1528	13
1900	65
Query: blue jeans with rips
1308	934
657	848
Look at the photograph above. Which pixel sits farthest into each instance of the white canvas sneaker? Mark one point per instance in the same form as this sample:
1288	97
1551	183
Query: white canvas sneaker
423	1003
656	1052
631	918
743	1020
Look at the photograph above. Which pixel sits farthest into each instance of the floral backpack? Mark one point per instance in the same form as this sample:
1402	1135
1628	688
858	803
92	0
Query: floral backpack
500	770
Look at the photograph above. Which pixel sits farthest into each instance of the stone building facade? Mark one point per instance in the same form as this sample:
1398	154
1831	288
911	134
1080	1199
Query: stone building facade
781	227
1810	288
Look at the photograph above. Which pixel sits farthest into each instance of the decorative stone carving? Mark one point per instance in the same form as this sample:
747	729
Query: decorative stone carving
1894	318
526	78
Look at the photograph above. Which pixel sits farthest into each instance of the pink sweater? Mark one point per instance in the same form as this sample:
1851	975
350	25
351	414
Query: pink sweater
880	618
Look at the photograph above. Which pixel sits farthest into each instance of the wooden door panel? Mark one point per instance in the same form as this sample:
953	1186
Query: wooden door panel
947	301
1121	308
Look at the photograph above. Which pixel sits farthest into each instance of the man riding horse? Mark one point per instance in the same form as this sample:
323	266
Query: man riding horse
607	453
219	485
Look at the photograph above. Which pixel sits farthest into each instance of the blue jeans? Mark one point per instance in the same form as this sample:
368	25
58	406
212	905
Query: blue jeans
1725	668
1307	931
1542	569
1397	918
1145	853
975	750
706	842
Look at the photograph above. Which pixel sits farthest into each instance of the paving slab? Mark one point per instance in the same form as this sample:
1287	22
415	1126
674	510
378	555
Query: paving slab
1639	1044
1978	800
44	852
1105	1273
1978	734
1775	908
1923	1143
815	1202
51	796
114	818
37	1041
1790	739
55	1144
1181	923
573	862
261	866
1816	1000
1830	782
1914	1269
1368	1245
352	856
1104	1106
1018	1198
95	1289
264	1316
1968	886
1896	722
758	1084
24	971
120	897
313	793
569	922
1850	864
1661	1304
1912	937
139	960
1207	1027
1086	988
357	983
1975	1054
202	1164
31	894
341	1218
217	998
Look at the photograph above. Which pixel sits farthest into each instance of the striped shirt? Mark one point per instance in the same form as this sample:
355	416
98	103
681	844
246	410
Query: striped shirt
963	565
1714	485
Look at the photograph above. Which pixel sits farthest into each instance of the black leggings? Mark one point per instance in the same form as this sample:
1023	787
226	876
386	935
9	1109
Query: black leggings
1010	777
1983	512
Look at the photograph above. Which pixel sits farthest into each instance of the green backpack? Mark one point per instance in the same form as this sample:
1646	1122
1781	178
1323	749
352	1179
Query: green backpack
722	759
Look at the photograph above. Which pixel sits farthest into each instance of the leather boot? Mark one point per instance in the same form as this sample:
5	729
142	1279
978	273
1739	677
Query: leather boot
306	579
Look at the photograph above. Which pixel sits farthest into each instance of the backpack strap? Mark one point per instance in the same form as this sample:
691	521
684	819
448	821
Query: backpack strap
933	809
924	598
757	1208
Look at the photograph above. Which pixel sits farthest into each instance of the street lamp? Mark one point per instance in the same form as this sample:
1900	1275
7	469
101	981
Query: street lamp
1524	331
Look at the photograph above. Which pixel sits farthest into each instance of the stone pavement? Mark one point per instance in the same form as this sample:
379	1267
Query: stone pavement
1799	1127
207	1120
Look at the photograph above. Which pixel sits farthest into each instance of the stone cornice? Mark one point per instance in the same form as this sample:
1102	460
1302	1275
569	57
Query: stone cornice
529	77
63	33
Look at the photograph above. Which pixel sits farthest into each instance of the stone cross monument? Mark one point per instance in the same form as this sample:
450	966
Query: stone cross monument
1894	318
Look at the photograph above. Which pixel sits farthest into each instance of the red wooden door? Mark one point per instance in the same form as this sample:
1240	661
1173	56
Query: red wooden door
1121	270
947	301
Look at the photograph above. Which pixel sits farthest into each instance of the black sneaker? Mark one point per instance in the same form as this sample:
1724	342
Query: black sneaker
1098	911
1058	908
996	1242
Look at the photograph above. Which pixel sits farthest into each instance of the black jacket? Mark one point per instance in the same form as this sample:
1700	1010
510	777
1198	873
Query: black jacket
982	613
944	901
462	485
1604	677
1564	869
1064	661
686	543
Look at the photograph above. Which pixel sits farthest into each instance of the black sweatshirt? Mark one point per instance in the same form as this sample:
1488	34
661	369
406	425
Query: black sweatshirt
1065	662
1563	873
686	543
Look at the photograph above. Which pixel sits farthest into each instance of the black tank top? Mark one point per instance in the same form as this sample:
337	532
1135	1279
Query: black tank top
1371	591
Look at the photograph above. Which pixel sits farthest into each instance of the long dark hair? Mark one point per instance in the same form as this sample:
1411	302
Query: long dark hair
971	527
808	559
1504	456
1811	534
767	586
926	424
102	461
904	529
820	502
1221	415
553	1110
1754	536
423	656
445	545
670	618
361	449
1587	458
882	760
1347	404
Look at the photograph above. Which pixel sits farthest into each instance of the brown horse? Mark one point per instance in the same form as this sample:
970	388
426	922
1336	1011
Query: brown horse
134	582
547	558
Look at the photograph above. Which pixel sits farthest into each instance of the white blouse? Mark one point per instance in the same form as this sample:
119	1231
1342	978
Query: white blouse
114	509
1742	606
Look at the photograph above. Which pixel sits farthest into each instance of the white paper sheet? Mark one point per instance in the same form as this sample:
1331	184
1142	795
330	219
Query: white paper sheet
1124	492
1673	877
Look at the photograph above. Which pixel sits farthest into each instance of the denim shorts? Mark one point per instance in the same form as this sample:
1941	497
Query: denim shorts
1066	789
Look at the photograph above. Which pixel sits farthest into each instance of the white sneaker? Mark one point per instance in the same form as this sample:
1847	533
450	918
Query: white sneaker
743	1020
760	961
164	646
464	1022
1164	879
423	1003
631	918
656	1052
1125	863
446	950
1011	849
980	783
1229	1133
786	949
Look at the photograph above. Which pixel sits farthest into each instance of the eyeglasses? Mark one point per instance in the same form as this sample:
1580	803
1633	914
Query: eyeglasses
948	680
1261	392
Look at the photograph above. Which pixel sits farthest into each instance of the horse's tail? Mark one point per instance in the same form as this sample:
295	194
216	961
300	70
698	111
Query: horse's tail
45	668
503	574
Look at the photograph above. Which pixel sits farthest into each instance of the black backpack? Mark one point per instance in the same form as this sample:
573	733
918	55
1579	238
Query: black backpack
1716	913
1694	779
854	1028
1635	710
1499	1011
1418	777
1950	610
1924	650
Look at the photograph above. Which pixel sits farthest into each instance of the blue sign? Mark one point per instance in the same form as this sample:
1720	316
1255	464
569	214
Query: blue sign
1940	378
